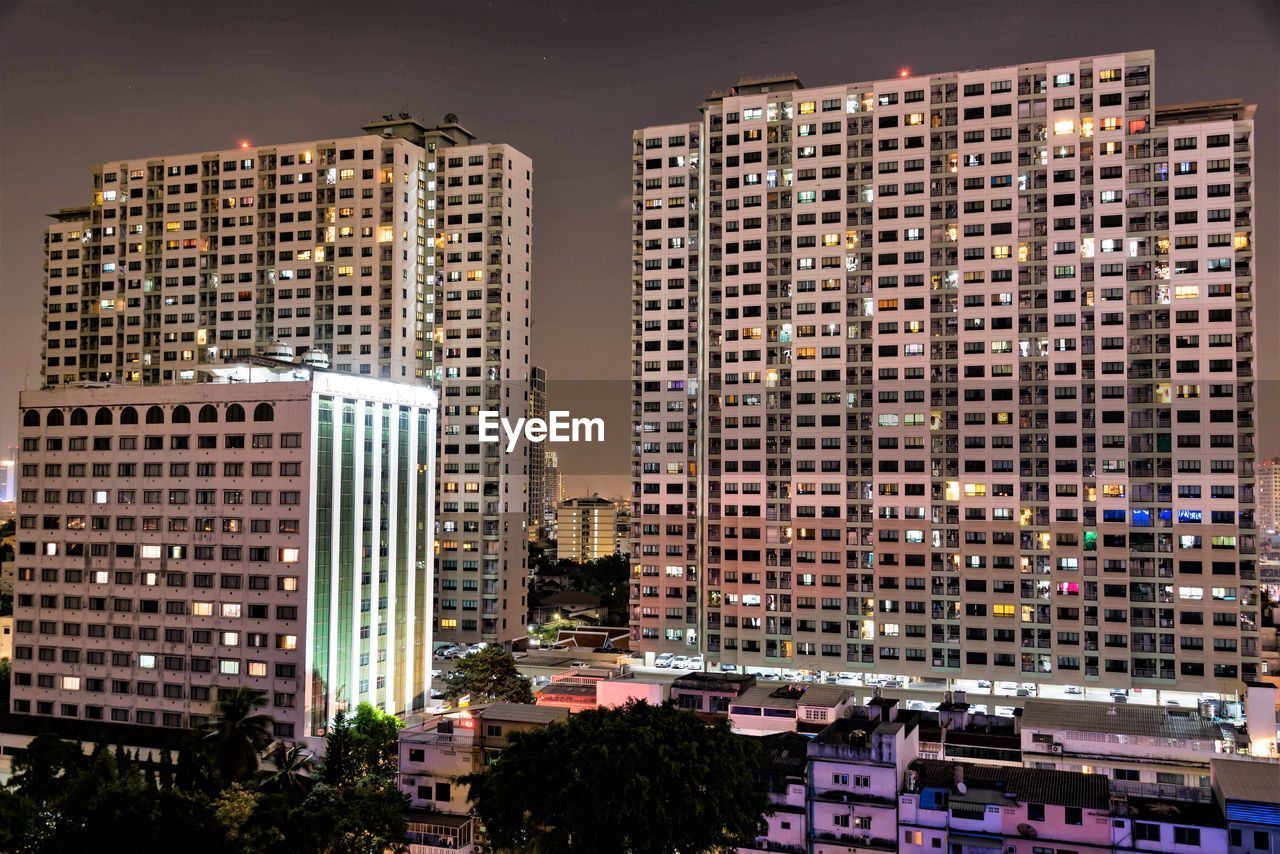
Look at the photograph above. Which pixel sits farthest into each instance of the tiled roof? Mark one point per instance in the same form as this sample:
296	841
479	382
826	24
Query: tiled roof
1034	785
1080	716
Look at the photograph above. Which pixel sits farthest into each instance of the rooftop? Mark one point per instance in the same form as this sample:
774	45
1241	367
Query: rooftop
728	682
1152	721
1204	111
525	713
1034	785
791	696
1247	780
783	753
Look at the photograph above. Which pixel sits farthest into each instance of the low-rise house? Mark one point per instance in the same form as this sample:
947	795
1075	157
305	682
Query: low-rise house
1002	810
855	768
1148	751
435	754
709	693
783	769
796	708
1248	792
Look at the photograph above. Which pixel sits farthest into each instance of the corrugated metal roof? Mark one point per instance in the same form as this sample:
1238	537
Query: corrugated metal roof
1245	780
1080	716
1034	785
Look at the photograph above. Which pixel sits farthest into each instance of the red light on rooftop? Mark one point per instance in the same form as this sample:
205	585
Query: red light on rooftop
244	143
904	72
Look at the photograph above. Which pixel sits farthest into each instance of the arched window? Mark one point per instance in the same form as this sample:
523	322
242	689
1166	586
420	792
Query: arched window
235	412
103	416
54	418
264	412
128	415
181	415
79	418
208	414
155	415
31	418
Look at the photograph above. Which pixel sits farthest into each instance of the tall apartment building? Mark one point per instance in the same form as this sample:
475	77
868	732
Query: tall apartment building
1268	493
402	253
537	458
949	376
272	530
586	529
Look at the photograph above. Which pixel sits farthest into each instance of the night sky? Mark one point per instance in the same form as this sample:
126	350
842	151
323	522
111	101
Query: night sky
566	82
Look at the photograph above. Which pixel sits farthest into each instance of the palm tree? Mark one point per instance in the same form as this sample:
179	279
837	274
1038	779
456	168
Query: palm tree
289	776
238	735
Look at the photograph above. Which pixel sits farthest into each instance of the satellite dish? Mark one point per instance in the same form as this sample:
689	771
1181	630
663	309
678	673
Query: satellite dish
1027	831
451	118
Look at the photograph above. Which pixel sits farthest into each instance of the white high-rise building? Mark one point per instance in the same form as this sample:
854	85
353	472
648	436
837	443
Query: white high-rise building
949	376
271	529
403	253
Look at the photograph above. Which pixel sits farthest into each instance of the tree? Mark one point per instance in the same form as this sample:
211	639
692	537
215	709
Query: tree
636	779
288	775
375	742
487	676
339	765
356	819
238	735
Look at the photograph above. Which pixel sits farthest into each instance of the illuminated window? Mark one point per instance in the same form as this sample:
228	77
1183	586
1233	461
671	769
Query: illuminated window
202	609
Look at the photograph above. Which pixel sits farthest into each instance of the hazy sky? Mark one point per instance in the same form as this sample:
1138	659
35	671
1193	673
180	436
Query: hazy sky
565	82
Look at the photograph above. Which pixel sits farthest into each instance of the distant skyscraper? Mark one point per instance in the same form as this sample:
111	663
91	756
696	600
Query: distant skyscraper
267	532
949	376
1268	493
586	529
554	482
402	253
537	458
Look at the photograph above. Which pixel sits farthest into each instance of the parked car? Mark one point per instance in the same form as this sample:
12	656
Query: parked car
449	652
1073	689
726	667
1022	692
984	683
1120	698
474	648
680	662
664	660
695	662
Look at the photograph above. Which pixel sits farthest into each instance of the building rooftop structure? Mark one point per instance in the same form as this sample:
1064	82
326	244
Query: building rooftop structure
1035	785
1150	721
1247	780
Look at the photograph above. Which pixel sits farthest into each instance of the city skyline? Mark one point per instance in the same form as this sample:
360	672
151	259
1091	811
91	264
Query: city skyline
554	51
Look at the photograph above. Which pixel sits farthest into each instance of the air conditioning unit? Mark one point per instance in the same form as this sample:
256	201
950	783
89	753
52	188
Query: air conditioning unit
1056	747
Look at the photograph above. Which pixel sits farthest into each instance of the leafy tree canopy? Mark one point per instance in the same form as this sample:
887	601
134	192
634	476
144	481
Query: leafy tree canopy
487	676
636	779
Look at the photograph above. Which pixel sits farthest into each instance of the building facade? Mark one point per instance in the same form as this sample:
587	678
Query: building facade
949	375
1268	492
537	458
272	530
586	529
402	253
